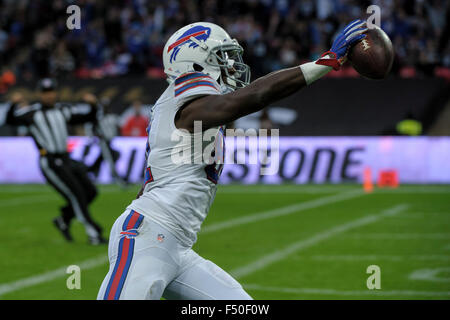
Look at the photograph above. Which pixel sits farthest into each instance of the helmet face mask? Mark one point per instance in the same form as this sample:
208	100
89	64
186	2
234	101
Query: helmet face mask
207	48
234	72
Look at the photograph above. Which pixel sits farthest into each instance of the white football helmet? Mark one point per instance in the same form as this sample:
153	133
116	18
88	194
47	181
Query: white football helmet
207	48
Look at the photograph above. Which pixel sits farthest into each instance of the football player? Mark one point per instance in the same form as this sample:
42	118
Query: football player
150	247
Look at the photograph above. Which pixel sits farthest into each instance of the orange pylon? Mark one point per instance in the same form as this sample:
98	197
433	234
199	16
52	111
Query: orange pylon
367	180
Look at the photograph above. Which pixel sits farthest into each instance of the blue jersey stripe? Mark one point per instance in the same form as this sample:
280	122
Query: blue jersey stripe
193	85
189	76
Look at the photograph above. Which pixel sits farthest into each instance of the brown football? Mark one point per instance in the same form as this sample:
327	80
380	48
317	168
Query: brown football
372	56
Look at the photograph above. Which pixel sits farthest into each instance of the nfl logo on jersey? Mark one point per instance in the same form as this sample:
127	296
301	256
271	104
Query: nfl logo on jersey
160	237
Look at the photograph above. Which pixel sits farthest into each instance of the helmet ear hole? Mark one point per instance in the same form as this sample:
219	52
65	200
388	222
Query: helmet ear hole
198	67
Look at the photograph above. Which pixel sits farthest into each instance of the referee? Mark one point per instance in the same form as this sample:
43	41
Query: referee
47	122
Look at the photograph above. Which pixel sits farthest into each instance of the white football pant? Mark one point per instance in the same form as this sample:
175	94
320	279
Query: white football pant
148	262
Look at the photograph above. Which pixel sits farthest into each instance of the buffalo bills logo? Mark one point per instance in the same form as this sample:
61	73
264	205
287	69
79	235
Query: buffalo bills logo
130	234
198	32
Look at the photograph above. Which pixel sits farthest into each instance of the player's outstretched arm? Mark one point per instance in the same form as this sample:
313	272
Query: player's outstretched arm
216	110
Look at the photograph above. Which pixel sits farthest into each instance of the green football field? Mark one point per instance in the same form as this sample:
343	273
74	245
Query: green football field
280	242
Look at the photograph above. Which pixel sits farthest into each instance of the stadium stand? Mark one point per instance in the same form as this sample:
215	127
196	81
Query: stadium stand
127	37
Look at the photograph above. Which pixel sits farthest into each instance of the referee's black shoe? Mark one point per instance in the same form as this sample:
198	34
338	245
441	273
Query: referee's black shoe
63	228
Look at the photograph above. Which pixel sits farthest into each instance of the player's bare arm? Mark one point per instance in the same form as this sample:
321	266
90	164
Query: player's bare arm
216	110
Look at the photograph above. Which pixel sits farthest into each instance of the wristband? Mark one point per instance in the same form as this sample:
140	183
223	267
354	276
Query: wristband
313	71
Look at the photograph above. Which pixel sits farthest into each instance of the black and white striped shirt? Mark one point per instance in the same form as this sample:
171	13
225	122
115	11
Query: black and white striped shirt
48	125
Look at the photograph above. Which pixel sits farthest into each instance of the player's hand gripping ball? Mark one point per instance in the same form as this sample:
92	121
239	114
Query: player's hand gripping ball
351	34
372	56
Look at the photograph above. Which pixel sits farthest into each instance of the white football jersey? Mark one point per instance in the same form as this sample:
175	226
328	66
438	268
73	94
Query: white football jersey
180	185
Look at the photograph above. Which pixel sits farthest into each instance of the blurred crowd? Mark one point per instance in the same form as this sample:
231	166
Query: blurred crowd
127	37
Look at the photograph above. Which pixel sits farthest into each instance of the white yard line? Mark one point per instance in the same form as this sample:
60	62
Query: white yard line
333	292
283	211
297	189
263	261
26	200
318	189
52	275
49	276
434	275
375	257
281	254
399	236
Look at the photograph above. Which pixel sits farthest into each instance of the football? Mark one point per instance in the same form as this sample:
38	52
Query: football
372	56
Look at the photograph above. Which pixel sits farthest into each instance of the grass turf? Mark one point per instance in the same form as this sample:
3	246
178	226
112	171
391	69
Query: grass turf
412	248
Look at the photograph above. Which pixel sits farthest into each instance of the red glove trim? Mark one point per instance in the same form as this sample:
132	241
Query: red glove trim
330	62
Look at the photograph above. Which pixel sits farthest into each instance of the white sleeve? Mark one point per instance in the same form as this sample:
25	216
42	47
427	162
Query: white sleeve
192	85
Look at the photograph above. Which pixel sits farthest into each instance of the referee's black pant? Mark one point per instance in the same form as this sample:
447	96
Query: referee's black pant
70	179
95	167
